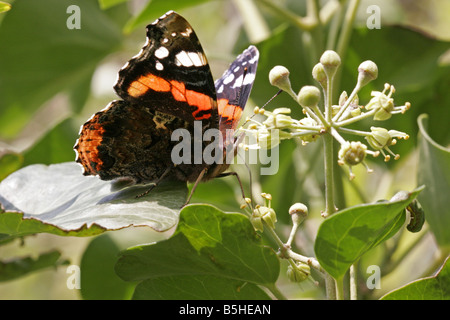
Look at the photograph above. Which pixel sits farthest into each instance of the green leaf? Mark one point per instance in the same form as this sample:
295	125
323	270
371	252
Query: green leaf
434	173
156	8
431	288
98	279
197	287
105	4
4	6
19	267
40	56
345	236
9	163
55	146
208	248
60	199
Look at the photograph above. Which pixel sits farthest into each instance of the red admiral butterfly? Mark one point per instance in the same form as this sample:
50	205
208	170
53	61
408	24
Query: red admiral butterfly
167	86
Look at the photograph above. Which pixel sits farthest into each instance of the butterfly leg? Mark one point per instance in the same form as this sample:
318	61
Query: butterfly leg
232	173
155	183
199	178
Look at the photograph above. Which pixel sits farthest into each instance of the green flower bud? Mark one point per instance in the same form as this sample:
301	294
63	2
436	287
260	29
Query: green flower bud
330	61
309	96
299	273
279	77
319	75
298	212
352	153
367	71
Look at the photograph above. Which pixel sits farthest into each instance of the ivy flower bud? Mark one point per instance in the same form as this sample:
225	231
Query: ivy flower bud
367	71
352	153
309	96
299	272
279	77
330	61
319	75
298	212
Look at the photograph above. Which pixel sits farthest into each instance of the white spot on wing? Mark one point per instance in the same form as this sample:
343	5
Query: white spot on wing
161	52
196	58
187	33
228	78
184	59
159	66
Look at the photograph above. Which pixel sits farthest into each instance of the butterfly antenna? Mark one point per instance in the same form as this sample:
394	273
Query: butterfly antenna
265	104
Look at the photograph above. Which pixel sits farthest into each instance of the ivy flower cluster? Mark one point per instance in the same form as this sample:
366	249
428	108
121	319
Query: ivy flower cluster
330	119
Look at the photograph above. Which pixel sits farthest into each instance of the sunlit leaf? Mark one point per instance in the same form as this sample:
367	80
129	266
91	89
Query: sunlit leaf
436	287
434	173
345	236
208	247
58	198
18	267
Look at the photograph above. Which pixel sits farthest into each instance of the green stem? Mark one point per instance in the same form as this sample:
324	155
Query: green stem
302	23
344	36
274	290
353	282
254	23
330	286
339	289
346	32
329	188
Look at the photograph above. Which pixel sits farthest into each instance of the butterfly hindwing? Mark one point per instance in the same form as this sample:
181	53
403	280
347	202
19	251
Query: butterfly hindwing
233	88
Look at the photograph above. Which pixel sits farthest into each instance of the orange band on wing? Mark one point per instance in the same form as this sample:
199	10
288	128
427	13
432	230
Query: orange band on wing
90	139
229	111
178	90
140	86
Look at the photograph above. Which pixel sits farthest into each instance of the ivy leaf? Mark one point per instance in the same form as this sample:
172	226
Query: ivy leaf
59	199
19	267
212	255
434	172
345	236
41	56
157	8
432	288
98	279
